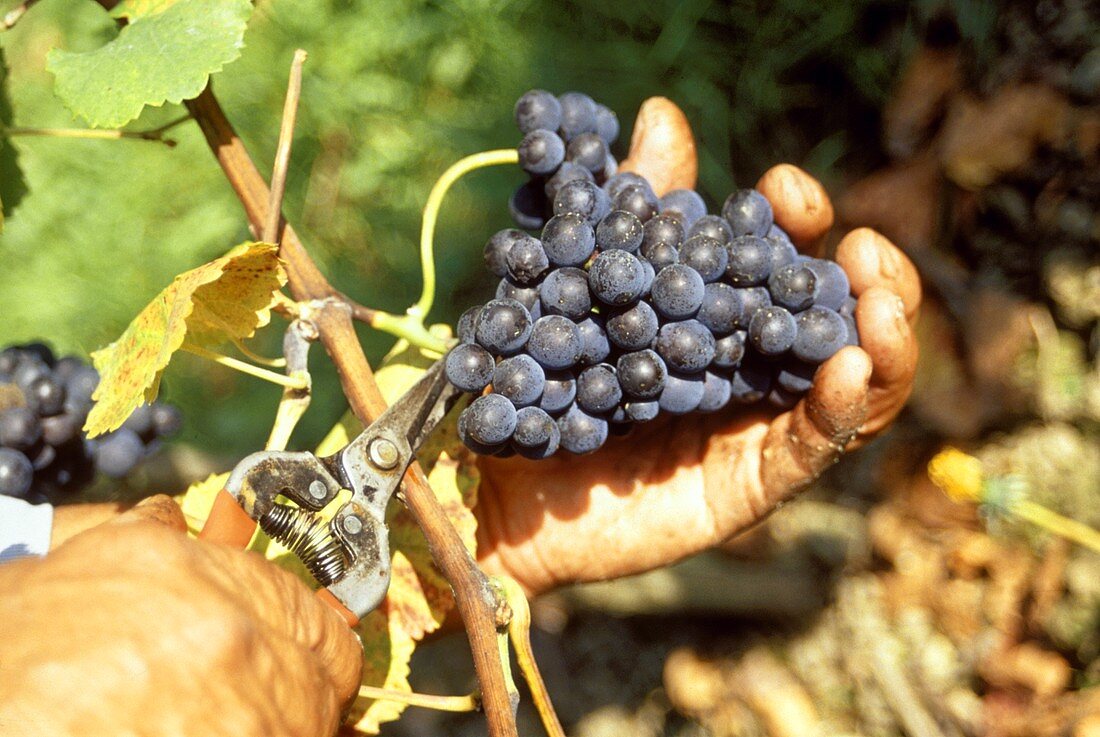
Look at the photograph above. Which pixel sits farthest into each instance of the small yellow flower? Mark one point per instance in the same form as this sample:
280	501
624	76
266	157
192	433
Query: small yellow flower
959	475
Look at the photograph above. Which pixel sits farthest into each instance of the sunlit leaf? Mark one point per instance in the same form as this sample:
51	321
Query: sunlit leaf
166	53
227	298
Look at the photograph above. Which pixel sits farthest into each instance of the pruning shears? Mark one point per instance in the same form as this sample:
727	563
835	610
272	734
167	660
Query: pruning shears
349	554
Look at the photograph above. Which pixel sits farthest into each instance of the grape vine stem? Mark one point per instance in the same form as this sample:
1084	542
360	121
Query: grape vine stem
153	134
474	596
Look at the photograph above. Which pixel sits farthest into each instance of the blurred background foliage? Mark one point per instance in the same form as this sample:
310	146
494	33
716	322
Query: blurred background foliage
394	92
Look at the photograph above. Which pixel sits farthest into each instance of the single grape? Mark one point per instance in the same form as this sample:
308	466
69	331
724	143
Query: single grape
642	411
503	326
796	376
637	200
81	384
686	346
578	114
598	388
567	172
555	342
19	428
729	351
526	260
684	204
469	367
559	392
117	453
529	205
660	255
607	124
723	308
541	152
619	230
497	248
782	250
528	296
793	286
681	393
712	226
677	292
490	419
717	390
750	261
9	359
748	212
520	379
568	239
141	422
565	292
641	374
45	395
16	473
633	328
167	420
581	432
537	435
853	330
750	382
848	309
537	109
594	340
821	333
616	278
60	429
583	198
706	255
754	299
833	287
40	351
467	324
29	370
649	274
622	179
772	330
587	150
781	398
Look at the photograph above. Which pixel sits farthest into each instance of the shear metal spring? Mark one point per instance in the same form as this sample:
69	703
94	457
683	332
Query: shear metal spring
308	537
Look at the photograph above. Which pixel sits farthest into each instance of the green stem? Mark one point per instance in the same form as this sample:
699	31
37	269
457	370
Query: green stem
431	214
410	327
155	134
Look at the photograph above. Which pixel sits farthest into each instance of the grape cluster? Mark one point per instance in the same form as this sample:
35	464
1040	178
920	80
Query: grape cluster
628	305
44	402
565	138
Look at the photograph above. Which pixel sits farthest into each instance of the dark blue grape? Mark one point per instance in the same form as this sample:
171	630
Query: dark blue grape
619	230
559	392
567	172
497	248
16	474
45	395
677	292
662	229
520	379
706	255
19	428
729	351
529	205
490	419
594	340
848	309
598	388
748	212
533	428
167	420
526	260
781	398
750	382
686	346
472	443
140	421
568	239
616	278
633	328
793	286
723	308
641	374
503	326
467	323
65	367
647	277
537	109
587	150
772	330
40	351
583	198
796	376
681	393
749	261
833	287
29	370
754	299
581	432
660	255
541	152
716	392
821	333
607	124
853	330
542	450
637	200
578	114
469	367
60	429
782	250
712	226
565	292
117	453
642	411
528	296
684	204
622	179
81	384
555	342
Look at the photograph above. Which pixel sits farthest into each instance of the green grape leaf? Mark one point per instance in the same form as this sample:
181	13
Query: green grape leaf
229	297
12	185
166	53
134	9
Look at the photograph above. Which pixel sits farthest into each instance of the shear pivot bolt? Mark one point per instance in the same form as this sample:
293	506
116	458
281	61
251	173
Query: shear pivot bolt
317	490
383	453
353	525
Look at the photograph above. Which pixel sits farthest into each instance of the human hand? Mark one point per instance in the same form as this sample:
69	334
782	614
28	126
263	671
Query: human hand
132	628
678	486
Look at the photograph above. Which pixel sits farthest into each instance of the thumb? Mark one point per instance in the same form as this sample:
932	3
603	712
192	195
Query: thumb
160	509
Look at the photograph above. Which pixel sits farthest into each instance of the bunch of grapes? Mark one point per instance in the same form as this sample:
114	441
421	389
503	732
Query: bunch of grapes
44	402
628	305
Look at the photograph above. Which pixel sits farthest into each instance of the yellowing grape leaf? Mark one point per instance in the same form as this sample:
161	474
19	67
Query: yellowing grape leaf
199	498
135	9
230	297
